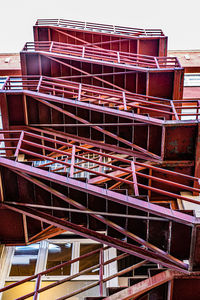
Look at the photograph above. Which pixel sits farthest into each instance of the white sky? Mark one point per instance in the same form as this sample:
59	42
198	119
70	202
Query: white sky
180	20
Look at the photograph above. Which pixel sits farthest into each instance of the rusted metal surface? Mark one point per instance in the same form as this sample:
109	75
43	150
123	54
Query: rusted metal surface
178	145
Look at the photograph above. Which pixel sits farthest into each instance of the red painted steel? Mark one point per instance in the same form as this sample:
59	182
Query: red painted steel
144	104
140	81
114	29
136	290
77	158
97	124
129	60
133	40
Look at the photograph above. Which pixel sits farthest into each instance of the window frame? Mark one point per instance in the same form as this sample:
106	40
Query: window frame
76	244
43	256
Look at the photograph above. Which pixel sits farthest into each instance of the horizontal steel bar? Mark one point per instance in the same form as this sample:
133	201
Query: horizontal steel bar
128	216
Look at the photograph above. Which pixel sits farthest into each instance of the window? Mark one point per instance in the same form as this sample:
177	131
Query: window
28	260
91	260
57	254
24	260
60	251
19	262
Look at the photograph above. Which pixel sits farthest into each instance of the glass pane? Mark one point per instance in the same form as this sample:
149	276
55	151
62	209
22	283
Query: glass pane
58	254
91	260
24	260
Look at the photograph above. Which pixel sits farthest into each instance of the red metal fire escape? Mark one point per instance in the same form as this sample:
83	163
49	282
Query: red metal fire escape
97	140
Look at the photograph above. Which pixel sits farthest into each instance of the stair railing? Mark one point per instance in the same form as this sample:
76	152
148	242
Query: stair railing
102	279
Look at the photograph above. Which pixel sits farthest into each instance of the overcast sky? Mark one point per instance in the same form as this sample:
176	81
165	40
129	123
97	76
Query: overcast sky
180	20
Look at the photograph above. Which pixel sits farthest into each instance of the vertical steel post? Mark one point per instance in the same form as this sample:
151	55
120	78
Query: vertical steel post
72	161
79	91
101	262
118	57
37	286
83	52
134	178
124	100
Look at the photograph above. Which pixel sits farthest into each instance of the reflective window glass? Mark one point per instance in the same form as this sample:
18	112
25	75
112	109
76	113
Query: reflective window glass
58	254
24	260
91	260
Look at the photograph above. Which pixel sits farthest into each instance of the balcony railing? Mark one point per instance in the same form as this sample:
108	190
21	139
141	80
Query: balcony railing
95	27
111	56
107	98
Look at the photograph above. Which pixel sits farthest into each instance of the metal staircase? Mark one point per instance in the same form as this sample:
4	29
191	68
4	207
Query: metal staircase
95	141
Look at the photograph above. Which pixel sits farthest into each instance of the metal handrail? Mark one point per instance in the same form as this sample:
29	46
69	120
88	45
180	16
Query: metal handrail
89	26
100	265
51	269
100	96
115	99
117	57
104	167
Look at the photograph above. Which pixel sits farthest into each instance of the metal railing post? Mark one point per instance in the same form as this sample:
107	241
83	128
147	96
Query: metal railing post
157	63
83	52
79	91
39	83
134	178
174	110
19	144
51	46
37	286
124	100
101	262
118	57
72	161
